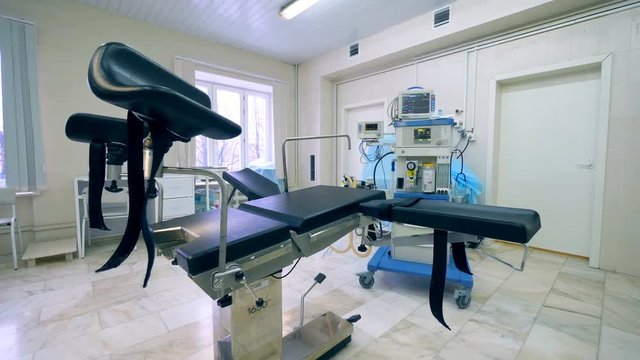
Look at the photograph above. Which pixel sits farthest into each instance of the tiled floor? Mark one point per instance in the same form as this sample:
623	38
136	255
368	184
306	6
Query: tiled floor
559	308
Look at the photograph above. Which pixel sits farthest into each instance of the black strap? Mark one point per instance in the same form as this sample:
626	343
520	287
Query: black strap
97	153
135	179
438	275
161	144
459	253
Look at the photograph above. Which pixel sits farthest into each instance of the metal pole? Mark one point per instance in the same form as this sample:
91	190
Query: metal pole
224	206
300	138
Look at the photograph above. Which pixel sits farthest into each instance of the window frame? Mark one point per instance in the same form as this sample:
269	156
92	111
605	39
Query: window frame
212	145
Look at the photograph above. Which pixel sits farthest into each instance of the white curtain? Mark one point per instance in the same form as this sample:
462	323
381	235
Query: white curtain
23	148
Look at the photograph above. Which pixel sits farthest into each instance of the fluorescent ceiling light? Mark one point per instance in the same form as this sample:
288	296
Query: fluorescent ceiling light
296	7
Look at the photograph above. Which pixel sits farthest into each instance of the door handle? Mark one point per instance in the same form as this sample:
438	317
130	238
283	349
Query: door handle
585	165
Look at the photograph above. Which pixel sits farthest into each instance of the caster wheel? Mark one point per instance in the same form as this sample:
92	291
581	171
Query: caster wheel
366	282
464	300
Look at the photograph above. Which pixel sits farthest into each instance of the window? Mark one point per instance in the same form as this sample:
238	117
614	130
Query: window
21	148
249	108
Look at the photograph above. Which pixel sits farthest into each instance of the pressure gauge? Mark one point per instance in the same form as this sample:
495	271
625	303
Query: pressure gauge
411	165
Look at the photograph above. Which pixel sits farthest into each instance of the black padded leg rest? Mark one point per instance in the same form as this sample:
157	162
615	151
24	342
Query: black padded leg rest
124	77
97	128
252	184
510	224
246	234
311	208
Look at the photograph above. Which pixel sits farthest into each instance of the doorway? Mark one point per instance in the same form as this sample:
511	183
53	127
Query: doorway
549	150
350	163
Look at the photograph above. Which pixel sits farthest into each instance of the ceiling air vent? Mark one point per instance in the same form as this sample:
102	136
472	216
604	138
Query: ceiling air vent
354	49
441	16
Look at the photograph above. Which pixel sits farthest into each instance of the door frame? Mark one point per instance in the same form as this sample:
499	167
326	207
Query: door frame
602	63
341	120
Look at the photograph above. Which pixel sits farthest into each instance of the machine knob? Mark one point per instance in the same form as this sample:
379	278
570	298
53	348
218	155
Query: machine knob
239	276
260	302
113	188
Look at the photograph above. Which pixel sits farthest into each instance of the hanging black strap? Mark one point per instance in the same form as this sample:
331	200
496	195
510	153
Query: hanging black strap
97	153
438	275
459	253
161	144
135	179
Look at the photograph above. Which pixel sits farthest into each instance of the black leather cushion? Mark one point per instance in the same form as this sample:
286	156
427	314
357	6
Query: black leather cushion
124	77
510	224
252	184
246	234
310	208
97	128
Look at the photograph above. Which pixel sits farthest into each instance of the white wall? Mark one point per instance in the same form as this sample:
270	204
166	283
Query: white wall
68	33
618	34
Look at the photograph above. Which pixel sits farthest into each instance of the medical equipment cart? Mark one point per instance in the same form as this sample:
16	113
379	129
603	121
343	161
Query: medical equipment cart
423	151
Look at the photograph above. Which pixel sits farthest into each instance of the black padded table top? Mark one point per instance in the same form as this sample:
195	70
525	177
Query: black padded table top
246	234
252	184
98	128
510	224
310	208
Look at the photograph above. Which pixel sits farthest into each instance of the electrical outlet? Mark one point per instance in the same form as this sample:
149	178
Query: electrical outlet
471	136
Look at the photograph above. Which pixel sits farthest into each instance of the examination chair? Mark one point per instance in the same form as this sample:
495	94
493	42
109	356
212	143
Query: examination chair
236	255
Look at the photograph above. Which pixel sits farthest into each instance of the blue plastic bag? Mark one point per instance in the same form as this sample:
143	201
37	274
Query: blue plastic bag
466	186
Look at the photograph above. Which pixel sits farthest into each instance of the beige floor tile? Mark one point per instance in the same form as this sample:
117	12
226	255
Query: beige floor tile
582	327
479	341
19	323
204	354
619	345
120	313
510	315
484	286
404	341
527	287
47	298
74	313
623	285
492	268
454	316
621	313
179	343
186	313
547	343
580	267
384	312
577	294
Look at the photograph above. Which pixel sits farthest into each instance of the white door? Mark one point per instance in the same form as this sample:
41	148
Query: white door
351	163
547	143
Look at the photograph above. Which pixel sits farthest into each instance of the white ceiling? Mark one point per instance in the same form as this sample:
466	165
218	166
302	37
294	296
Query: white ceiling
254	25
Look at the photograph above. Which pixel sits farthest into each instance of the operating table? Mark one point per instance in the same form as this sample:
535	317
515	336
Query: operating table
237	254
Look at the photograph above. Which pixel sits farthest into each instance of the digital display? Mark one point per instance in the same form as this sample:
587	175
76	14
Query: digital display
422	135
371	126
419	103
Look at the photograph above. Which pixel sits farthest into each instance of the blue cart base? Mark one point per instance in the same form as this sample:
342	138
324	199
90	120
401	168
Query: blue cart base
382	260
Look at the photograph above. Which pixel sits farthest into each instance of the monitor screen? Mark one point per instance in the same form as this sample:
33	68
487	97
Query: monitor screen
418	103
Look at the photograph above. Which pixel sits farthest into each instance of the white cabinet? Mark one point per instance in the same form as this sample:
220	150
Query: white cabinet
177	196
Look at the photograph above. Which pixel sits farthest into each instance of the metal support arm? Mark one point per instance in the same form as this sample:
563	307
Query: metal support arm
300	138
224	205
